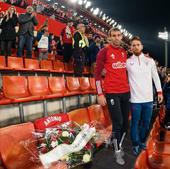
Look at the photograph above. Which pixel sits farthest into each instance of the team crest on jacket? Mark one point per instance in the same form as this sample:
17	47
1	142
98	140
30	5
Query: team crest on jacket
112	56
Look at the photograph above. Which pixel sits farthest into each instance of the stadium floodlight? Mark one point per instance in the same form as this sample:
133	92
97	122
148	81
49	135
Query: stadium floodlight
84	1
73	1
96	11
63	7
164	36
104	17
88	4
101	12
80	2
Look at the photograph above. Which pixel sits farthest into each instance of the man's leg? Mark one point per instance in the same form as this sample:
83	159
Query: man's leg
146	116
125	108
29	43
9	46
136	109
113	102
21	44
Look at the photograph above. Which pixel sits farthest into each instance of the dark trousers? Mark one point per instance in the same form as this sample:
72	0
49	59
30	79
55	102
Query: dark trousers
6	48
67	52
27	40
118	105
79	61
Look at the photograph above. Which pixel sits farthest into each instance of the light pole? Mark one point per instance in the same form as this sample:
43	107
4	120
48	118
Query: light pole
164	36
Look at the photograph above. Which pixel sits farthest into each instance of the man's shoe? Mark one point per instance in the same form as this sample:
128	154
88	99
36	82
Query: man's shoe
136	150
119	158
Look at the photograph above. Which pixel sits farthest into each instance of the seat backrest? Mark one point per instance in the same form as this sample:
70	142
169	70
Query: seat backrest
79	116
15	86
84	83
15	62
72	84
38	85
51	56
68	67
57	85
92	83
2	62
96	114
58	66
12	151
31	64
46	64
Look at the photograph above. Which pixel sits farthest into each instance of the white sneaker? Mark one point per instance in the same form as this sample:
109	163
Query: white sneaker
119	157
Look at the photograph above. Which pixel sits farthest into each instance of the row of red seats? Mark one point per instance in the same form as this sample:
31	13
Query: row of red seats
25	64
18	89
14	155
157	153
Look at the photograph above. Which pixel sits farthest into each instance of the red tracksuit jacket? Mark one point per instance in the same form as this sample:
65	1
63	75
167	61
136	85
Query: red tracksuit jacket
113	60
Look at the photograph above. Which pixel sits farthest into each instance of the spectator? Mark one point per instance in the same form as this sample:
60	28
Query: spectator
53	45
80	48
93	51
27	22
8	34
1	18
66	40
43	43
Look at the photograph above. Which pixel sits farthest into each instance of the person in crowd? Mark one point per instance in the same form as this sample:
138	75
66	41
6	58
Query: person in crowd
141	71
93	50
43	43
66	39
27	22
166	92
80	46
8	34
113	59
1	18
53	45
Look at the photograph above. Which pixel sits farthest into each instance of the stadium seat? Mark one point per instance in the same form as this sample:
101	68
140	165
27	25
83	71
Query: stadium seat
57	86
31	64
86	70
51	56
46	64
141	161
2	62
92	84
73	86
79	116
38	86
58	66
15	63
16	89
68	67
84	85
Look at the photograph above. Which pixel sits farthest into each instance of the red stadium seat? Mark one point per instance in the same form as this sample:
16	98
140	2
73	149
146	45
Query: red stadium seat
46	64
92	84
2	62
86	70
51	56
15	63
32	64
58	66
57	86
16	89
79	116
38	86
84	85
68	67
73	86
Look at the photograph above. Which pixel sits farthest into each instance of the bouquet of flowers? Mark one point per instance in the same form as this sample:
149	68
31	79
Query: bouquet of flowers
68	142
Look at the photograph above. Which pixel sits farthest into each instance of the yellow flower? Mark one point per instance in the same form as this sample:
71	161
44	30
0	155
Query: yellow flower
86	158
65	134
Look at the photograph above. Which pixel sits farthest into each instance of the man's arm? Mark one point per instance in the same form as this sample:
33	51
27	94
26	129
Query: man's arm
100	61
157	82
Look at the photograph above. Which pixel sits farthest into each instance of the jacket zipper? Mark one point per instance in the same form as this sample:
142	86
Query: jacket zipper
139	60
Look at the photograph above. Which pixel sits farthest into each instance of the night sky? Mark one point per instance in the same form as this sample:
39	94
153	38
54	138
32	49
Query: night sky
144	18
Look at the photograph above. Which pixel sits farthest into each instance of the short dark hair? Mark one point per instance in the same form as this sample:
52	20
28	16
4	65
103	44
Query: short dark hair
135	38
113	30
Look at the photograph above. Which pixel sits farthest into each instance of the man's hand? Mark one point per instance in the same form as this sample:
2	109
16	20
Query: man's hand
33	14
160	98
101	100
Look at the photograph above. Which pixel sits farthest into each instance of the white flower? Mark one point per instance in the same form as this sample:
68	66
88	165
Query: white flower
65	134
66	157
86	158
54	144
43	145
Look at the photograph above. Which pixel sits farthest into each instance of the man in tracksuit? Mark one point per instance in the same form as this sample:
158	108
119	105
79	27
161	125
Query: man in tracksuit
141	72
116	89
